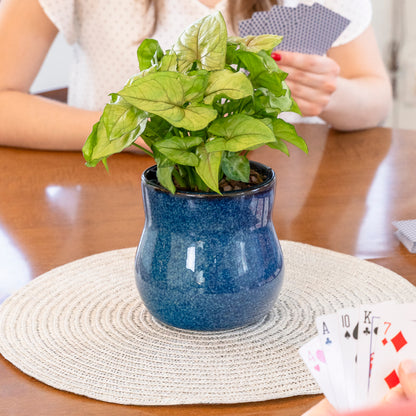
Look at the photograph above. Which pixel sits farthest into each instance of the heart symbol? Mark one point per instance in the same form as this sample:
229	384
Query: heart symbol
317	367
321	356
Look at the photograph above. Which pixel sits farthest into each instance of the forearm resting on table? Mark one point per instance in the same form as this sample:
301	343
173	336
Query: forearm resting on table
358	103
39	123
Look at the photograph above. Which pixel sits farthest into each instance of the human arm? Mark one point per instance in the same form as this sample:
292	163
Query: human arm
26	34
349	88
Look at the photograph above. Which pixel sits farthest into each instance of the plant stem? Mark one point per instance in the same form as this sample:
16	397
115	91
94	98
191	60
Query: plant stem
178	178
148	152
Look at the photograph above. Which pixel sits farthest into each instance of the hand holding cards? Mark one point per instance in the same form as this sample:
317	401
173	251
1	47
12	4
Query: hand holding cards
355	356
306	29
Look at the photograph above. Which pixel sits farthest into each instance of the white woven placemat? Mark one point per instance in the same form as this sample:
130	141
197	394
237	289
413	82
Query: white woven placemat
83	328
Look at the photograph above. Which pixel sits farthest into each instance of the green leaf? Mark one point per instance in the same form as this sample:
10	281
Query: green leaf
98	146
168	62
279	145
266	103
164	172
262	72
194	85
295	108
156	129
120	118
164	94
271	65
175	149
216	144
149	53
89	145
236	167
156	93
287	132
208	168
234	85
241	132
257	43
197	117
204	42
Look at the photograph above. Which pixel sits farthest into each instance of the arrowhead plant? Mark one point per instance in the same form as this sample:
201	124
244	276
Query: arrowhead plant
200	107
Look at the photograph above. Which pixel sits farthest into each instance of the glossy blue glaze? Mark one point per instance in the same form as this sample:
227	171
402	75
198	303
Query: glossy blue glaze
208	262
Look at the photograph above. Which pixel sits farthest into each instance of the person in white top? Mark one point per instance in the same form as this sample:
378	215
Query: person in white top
349	88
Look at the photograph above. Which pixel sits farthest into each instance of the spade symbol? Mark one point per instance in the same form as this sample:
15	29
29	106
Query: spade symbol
355	332
347	335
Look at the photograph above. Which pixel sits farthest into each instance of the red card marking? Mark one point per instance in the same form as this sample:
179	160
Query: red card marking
321	356
399	341
392	379
384	341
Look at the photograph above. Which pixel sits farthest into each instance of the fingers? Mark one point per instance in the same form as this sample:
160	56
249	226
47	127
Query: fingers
310	63
407	376
312	79
396	394
311	101
323	408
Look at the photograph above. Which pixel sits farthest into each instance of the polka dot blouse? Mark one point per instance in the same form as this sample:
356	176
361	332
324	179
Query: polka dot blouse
105	35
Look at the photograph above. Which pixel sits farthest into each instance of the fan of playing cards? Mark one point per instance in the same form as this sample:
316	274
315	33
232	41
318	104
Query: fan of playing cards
307	29
357	351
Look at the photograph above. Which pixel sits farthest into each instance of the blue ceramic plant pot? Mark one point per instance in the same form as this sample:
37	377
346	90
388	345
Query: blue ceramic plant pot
209	262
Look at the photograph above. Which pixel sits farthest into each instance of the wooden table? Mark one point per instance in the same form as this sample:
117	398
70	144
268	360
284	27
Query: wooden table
343	196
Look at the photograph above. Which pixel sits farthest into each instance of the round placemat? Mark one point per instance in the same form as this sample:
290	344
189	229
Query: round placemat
83	328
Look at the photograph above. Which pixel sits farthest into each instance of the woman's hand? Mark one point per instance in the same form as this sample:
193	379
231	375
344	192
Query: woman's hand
323	408
400	394
406	390
349	88
312	79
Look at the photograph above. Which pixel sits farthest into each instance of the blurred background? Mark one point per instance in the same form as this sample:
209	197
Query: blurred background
394	24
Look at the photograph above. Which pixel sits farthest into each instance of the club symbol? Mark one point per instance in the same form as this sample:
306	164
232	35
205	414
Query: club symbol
328	341
366	331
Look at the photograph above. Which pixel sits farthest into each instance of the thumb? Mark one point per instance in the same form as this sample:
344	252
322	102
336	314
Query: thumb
407	376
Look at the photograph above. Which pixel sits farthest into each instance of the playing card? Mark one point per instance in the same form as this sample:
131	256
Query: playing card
368	323
406	233
279	17
396	342
259	23
314	358
290	26
347	323
328	337
306	29
244	27
356	354
321	27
